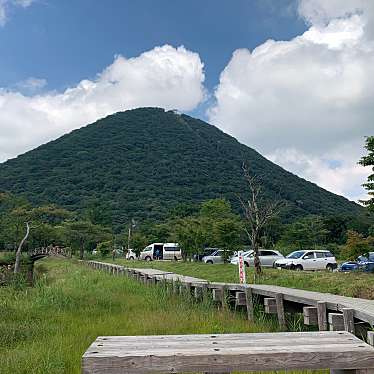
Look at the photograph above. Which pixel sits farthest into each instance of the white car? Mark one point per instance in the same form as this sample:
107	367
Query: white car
268	257
308	260
131	255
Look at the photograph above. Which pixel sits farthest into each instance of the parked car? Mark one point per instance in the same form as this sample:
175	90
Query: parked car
214	258
267	257
205	252
308	260
161	251
131	255
363	263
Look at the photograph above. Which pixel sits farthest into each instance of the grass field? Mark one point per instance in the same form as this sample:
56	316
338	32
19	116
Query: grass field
47	328
346	284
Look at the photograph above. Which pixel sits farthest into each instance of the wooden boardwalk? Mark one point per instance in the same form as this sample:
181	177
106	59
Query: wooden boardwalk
362	309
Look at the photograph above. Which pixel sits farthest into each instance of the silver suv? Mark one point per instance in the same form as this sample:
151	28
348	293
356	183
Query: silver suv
215	258
267	257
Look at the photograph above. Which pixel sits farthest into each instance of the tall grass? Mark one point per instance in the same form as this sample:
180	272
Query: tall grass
46	329
346	284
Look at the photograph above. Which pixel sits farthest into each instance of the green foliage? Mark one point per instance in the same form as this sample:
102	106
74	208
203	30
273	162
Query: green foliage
306	232
357	245
84	235
105	248
45	222
214	225
146	163
368	160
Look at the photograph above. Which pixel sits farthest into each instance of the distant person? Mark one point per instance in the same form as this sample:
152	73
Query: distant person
113	254
157	254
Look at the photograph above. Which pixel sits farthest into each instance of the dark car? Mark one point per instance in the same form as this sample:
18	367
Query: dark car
363	263
205	252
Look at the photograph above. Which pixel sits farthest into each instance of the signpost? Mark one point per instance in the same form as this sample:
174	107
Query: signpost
241	268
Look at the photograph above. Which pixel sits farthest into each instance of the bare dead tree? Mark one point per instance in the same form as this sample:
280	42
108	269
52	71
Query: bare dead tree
257	213
19	250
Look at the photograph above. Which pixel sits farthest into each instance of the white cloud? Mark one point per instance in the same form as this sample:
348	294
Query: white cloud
164	76
5	5
31	84
311	96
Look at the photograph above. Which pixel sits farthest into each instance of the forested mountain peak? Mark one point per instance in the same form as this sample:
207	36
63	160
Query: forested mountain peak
142	163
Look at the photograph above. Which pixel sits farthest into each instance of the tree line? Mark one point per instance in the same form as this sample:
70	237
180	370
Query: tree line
212	223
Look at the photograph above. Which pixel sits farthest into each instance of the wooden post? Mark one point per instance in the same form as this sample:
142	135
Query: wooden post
249	302
174	287
188	288
198	292
336	321
322	315
348	317
217	294
371	338
270	304
280	311
240	299
310	316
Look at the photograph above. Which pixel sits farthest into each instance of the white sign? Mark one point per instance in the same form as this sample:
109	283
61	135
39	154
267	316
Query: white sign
241	268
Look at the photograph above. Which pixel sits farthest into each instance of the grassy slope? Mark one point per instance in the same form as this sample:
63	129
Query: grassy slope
47	328
352	284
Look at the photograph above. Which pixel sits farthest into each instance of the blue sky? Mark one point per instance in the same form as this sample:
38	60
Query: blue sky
293	79
66	41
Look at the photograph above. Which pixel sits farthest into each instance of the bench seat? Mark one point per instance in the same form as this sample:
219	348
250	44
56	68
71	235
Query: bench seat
223	353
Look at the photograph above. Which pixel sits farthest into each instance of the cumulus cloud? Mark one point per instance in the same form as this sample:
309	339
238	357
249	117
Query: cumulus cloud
5	5
164	76
307	103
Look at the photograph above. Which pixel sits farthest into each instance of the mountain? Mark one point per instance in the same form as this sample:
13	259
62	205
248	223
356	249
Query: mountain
143	162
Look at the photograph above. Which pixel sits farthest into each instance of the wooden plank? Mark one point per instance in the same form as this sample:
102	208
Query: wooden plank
227	353
348	317
322	315
310	316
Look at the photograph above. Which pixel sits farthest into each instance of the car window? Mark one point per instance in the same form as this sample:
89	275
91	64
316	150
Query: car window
267	253
168	249
328	254
308	255
320	254
296	254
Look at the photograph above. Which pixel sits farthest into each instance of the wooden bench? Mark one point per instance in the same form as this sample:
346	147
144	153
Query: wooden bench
224	353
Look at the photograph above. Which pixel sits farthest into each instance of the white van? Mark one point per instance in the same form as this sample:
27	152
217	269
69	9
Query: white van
161	251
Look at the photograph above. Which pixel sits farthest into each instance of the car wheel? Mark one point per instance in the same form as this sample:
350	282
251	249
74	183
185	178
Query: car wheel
299	268
209	262
131	258
175	258
274	265
329	267
148	258
246	264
